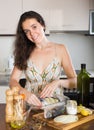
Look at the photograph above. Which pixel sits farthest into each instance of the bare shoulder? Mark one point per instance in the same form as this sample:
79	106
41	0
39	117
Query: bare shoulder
61	48
61	51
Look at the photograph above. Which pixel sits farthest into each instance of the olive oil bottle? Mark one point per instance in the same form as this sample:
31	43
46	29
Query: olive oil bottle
83	86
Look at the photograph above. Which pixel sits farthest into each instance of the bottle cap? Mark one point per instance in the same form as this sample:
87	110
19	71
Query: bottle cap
83	66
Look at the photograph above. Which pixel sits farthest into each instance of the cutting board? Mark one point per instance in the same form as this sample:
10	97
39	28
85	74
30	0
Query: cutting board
61	126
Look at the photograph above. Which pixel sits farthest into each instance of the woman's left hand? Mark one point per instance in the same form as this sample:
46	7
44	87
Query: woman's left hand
49	89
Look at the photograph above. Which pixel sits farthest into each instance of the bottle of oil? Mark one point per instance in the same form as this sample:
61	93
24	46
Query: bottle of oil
83	86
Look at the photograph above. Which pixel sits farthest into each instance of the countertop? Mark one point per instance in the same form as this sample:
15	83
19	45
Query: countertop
5	126
90	72
4	77
4	80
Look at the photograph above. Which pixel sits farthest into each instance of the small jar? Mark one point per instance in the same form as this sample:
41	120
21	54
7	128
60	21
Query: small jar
71	107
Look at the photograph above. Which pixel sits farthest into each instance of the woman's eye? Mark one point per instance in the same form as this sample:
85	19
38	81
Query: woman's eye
34	27
26	31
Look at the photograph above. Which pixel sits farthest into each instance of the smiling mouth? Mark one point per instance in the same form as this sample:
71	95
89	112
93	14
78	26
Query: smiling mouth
35	38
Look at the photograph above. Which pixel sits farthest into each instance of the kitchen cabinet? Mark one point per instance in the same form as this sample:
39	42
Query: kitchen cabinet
52	13
3	89
76	15
10	10
91	4
65	15
62	15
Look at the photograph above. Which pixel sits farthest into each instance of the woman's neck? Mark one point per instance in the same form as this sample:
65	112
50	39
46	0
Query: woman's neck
42	44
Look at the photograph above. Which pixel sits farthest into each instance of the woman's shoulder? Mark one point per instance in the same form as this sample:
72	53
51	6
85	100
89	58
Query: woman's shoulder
60	46
60	49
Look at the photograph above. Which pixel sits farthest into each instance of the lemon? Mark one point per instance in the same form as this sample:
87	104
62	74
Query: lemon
79	108
89	111
83	110
86	112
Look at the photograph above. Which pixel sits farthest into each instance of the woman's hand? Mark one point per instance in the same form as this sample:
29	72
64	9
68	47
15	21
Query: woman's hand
31	98
49	89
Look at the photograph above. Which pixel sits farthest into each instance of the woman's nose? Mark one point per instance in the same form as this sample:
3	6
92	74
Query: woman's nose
31	32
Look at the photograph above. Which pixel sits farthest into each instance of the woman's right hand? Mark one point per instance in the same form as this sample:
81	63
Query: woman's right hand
31	98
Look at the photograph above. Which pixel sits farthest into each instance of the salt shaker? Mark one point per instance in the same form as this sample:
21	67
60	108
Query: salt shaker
71	107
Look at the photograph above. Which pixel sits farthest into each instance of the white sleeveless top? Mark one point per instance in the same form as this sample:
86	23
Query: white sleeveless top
36	81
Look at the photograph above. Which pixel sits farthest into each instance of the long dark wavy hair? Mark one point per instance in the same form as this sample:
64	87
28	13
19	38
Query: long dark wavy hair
23	47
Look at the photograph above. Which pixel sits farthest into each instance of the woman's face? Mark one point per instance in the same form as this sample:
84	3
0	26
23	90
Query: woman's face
33	30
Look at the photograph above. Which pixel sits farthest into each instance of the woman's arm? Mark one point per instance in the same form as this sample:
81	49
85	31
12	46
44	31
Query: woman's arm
14	82
66	63
15	77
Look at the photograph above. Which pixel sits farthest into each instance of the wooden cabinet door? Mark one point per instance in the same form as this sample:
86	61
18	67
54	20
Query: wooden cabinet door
64	15
51	12
91	4
10	11
75	15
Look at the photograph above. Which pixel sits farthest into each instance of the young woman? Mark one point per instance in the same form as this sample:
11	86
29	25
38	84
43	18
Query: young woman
41	61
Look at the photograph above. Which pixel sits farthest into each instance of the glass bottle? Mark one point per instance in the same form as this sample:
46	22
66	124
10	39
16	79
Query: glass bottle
83	86
71	107
18	108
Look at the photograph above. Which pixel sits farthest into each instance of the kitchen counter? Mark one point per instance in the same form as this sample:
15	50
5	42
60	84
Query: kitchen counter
4	77
5	126
90	72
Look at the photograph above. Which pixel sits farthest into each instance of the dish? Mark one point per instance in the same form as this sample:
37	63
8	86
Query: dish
65	119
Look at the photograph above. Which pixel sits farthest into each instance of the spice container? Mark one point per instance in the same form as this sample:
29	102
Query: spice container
71	107
9	105
15	108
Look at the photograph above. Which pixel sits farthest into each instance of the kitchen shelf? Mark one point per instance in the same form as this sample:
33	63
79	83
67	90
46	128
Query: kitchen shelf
4	35
89	35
